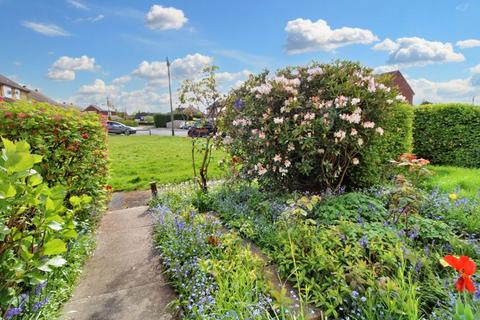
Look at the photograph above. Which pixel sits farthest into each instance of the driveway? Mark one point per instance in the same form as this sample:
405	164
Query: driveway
162	132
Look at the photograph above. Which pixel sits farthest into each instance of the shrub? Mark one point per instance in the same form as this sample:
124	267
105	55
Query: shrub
130	123
72	144
310	127
448	134
35	228
161	119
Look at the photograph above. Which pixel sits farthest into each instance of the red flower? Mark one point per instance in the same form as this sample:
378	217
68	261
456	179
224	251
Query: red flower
22	115
85	135
467	268
109	188
8	114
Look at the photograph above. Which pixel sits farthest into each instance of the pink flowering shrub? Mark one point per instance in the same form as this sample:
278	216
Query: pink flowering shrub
310	127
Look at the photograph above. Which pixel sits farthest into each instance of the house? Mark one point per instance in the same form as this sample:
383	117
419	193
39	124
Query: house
35	95
11	91
399	81
99	110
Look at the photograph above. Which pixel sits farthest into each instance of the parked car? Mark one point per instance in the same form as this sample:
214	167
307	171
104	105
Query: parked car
201	129
188	125
119	128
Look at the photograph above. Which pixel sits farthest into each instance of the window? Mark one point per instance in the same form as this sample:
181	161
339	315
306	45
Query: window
17	94
7	92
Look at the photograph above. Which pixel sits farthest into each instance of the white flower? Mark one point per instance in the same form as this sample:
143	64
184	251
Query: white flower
291	147
277	158
283	171
278	120
354	132
262	89
389	101
287	163
261	135
400	98
371	85
227	140
368	124
355	161
355	101
309	116
315	71
380	131
341	101
260	169
351	118
360	141
340	134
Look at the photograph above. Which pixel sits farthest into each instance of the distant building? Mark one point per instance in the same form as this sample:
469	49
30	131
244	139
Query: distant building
11	91
399	81
99	110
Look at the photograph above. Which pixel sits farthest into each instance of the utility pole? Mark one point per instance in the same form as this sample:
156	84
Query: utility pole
170	92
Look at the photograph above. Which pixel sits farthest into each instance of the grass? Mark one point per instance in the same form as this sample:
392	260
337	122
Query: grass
449	179
138	160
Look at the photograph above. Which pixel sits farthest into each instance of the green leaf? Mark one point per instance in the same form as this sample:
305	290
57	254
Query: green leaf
22	146
54	247
54	225
468	313
57	261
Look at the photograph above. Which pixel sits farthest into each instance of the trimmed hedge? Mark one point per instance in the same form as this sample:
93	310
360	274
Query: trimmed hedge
161	119
397	139
72	143
448	134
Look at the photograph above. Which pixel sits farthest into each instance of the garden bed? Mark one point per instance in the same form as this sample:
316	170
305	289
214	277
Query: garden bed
347	253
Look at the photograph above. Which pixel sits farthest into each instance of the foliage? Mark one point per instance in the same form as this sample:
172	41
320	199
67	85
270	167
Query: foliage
35	228
160	119
215	276
448	134
135	161
310	127
463	181
203	94
72	145
129	123
361	264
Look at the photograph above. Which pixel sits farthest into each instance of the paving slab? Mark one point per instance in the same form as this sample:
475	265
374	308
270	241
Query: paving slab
124	278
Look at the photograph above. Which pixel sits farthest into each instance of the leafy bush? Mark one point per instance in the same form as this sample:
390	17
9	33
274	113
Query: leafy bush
129	123
310	127
35	228
161	119
72	145
448	134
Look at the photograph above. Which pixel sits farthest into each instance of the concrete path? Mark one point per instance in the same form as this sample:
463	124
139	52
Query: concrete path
124	279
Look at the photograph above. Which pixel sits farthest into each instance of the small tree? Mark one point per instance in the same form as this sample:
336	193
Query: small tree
202	93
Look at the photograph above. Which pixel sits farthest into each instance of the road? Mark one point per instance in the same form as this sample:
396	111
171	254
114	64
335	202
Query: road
162	132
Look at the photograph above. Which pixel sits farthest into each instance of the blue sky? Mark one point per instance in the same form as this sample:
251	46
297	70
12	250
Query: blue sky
82	51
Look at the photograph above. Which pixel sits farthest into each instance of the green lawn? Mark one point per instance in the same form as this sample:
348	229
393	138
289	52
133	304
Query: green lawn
449	178
138	160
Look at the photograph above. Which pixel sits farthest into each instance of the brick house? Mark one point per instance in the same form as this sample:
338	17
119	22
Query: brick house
98	110
399	81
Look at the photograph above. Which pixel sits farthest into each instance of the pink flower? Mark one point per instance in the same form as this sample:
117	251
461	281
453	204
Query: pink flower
340	134
354	132
368	124
261	135
277	158
341	101
278	120
287	163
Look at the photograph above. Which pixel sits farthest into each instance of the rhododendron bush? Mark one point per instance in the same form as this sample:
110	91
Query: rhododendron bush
313	127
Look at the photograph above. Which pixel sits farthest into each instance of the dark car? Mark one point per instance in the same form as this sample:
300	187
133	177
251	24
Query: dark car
119	128
201	129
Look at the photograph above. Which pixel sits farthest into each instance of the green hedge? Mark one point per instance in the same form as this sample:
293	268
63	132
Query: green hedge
398	125
161	119
72	143
448	134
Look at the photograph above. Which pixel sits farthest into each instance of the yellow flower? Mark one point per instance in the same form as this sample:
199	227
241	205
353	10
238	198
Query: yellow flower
453	196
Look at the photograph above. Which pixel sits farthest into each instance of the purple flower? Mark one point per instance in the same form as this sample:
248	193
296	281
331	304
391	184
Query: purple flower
363	242
238	104
13	312
39	288
39	304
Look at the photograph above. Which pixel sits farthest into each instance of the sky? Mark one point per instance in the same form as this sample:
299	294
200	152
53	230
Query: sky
83	51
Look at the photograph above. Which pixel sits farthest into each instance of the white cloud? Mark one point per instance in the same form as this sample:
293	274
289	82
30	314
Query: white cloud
98	87
61	75
64	68
232	76
145	99
50	30
306	36
121	80
469	43
475	69
77	4
165	18
455	90
91	19
416	51
386	68
181	68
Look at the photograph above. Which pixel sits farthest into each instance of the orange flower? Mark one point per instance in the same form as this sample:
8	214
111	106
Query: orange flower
407	157
109	188
467	268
